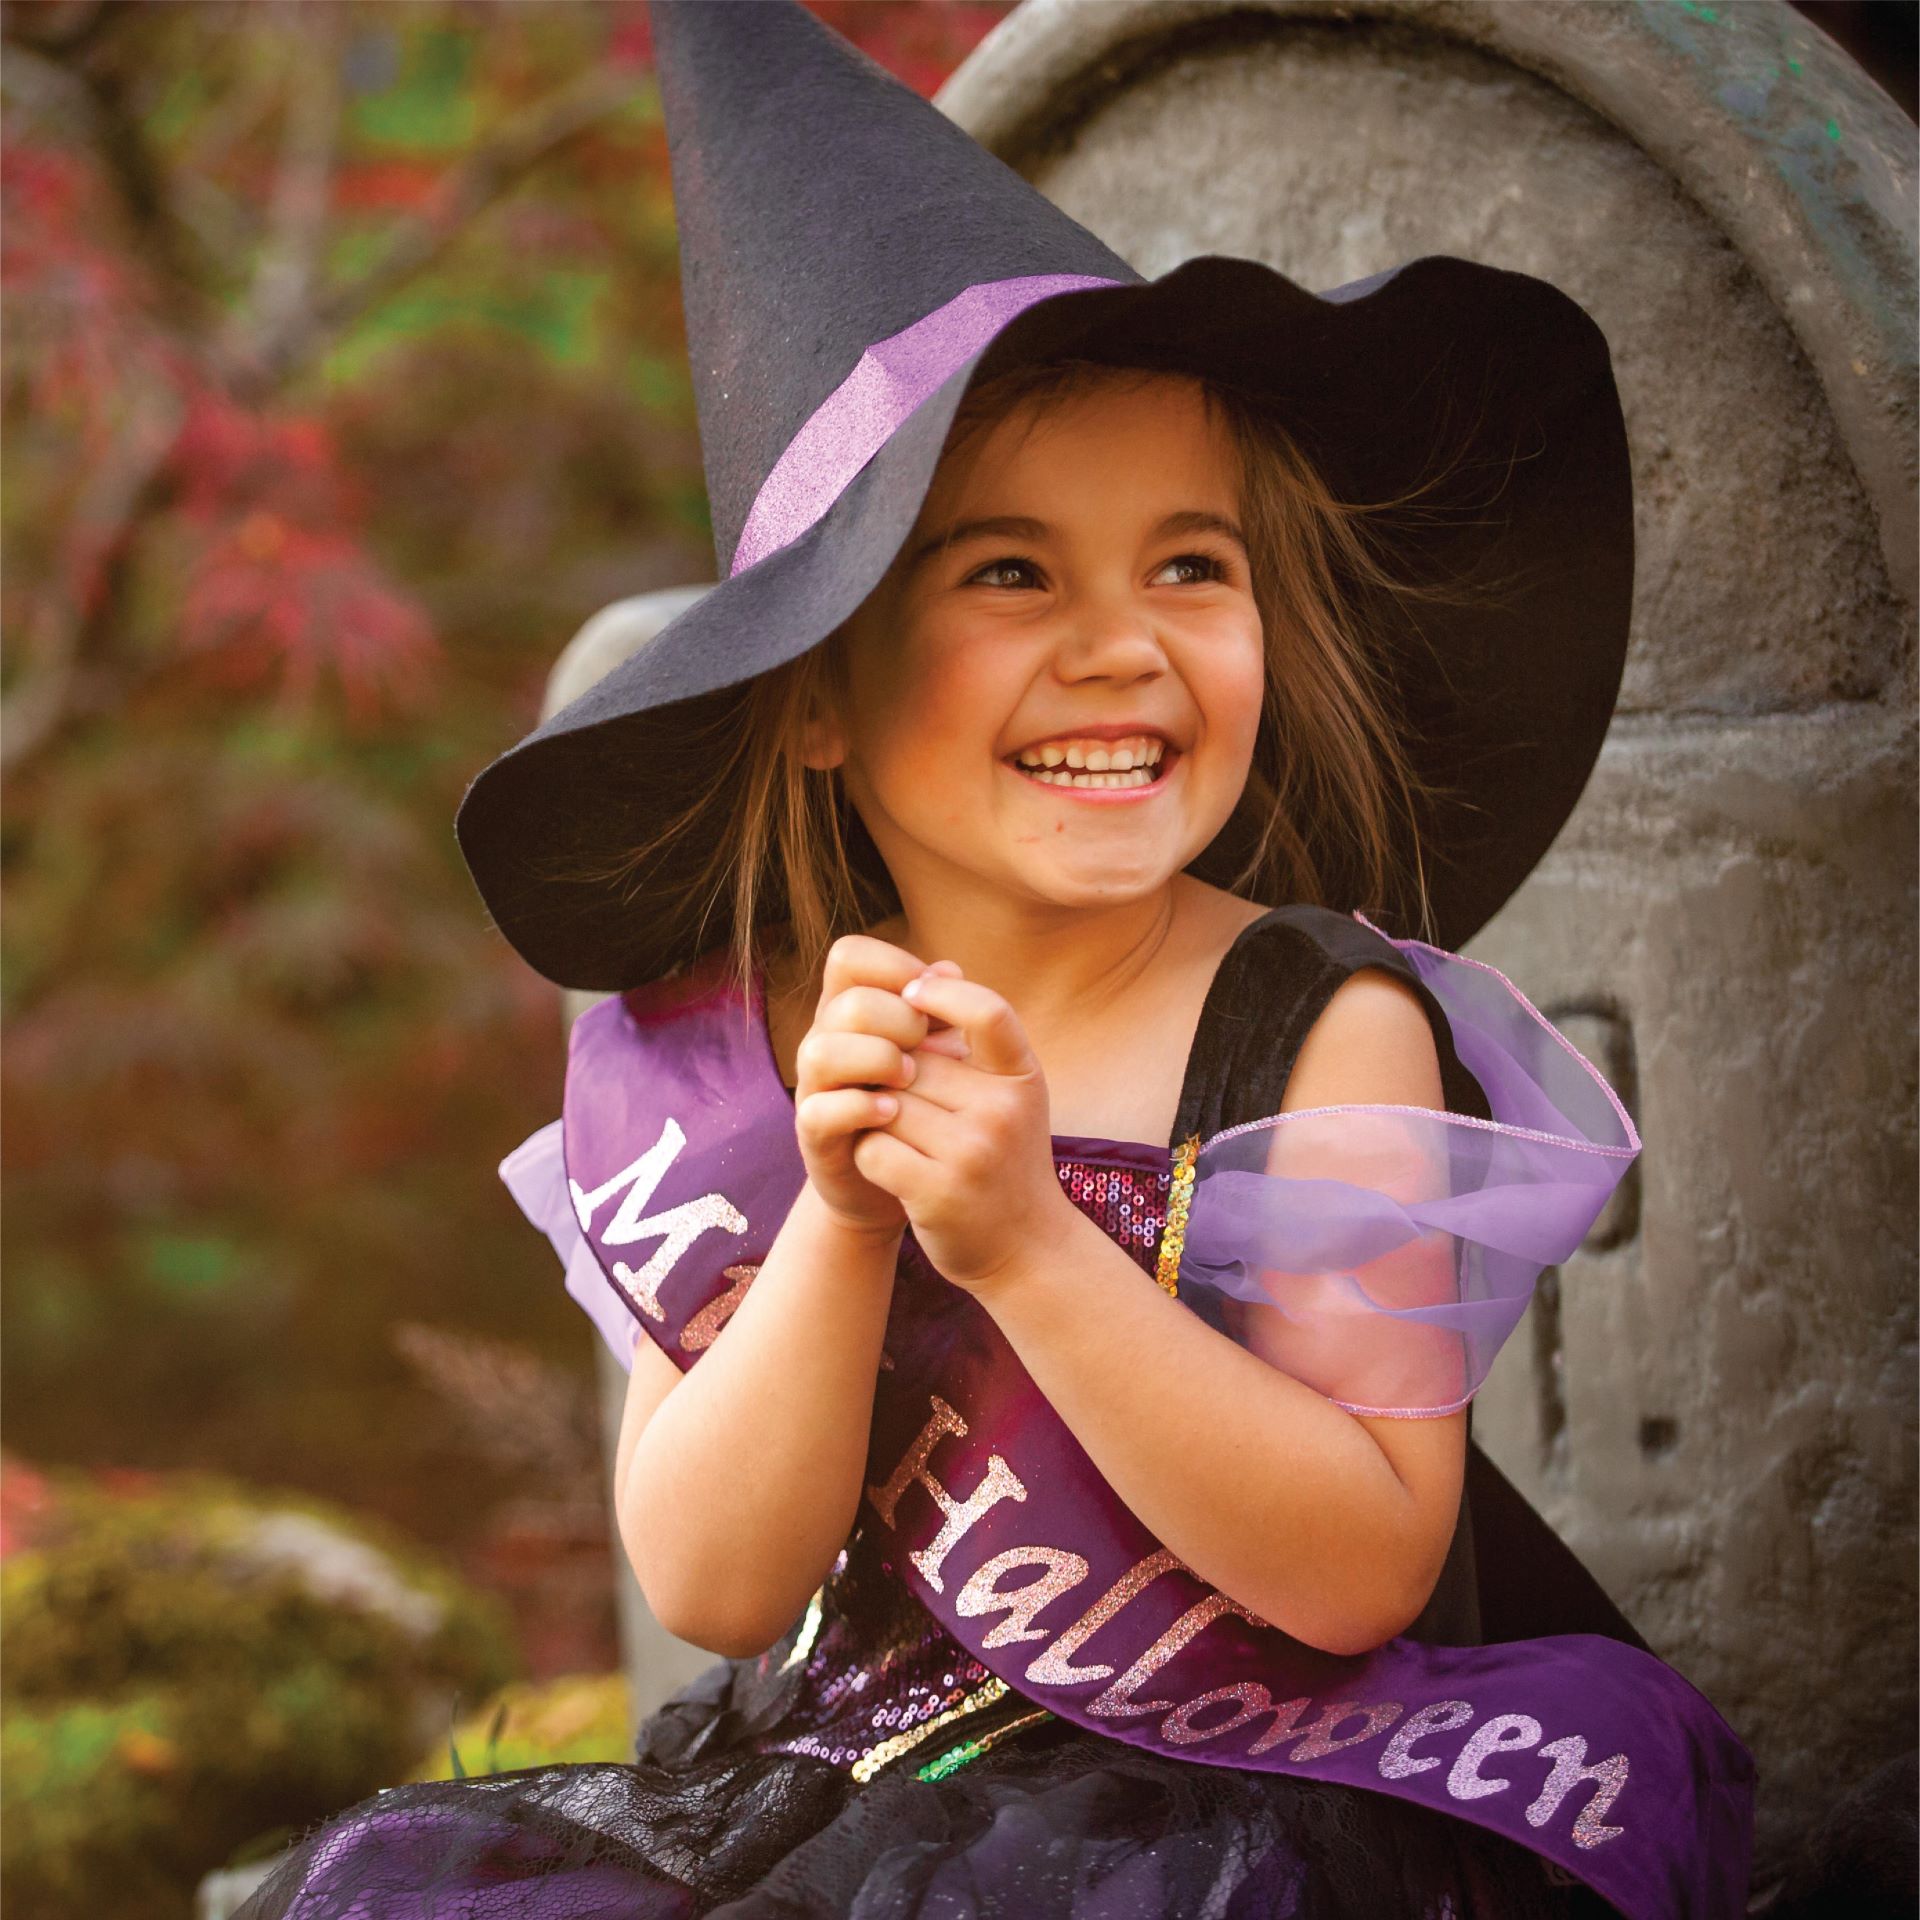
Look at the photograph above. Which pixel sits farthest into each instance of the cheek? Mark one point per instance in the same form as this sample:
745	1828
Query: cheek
1231	695
930	705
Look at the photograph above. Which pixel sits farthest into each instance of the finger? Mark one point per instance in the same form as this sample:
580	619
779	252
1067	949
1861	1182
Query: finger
892	1165
992	1028
821	1118
827	1058
859	960
923	1124
940	1079
949	1041
875	1011
942	1038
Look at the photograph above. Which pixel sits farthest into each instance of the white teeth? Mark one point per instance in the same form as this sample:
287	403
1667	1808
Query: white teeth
1047	776
1094	764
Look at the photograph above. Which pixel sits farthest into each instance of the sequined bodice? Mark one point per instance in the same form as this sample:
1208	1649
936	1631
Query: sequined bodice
875	1679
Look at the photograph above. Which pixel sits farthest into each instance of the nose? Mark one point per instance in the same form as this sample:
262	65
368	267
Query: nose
1105	638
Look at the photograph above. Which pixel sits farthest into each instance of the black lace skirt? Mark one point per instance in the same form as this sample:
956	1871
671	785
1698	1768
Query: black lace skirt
1051	1823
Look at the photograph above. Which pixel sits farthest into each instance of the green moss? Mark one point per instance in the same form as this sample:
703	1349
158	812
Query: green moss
575	1718
196	1665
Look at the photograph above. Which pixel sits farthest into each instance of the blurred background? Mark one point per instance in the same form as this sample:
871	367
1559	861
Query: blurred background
343	380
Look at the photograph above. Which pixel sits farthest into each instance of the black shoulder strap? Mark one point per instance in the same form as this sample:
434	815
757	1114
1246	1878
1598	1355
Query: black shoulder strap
1272	986
1508	1575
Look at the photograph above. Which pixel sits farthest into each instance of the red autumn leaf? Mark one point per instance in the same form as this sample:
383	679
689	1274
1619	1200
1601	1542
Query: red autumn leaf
273	601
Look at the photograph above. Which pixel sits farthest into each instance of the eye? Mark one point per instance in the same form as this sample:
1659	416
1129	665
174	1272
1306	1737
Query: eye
1007	563
1206	568
1210	568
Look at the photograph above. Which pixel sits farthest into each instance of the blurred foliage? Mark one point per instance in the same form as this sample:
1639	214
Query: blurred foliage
344	378
579	1716
189	1666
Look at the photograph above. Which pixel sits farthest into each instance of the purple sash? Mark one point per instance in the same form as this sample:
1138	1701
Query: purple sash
681	1161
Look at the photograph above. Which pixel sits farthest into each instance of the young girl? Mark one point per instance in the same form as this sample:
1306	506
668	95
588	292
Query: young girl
1086	1524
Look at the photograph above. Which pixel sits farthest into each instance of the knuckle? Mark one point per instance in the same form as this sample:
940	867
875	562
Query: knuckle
975	1153
873	1010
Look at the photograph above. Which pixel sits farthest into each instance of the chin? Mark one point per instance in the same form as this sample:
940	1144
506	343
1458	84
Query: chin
1108	887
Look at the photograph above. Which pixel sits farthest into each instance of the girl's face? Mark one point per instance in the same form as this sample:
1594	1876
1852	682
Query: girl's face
1054	692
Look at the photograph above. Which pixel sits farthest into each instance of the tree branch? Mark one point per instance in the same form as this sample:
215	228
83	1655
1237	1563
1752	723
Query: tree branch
281	296
73	606
79	80
487	175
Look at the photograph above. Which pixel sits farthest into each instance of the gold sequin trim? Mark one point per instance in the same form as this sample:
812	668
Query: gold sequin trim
809	1630
957	1757
875	1758
1179	1199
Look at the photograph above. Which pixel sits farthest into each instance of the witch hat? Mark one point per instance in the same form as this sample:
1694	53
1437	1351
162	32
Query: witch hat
849	259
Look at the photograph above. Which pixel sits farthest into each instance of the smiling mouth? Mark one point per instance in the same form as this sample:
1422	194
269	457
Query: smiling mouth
1086	765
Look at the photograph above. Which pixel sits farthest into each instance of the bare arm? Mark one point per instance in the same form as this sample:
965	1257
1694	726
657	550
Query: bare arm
728	1539
737	1484
1331	1526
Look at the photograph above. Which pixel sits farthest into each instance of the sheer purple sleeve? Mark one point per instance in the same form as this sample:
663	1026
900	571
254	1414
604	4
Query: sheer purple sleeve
535	1173
1382	1254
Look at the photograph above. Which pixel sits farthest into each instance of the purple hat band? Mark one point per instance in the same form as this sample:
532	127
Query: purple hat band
892	378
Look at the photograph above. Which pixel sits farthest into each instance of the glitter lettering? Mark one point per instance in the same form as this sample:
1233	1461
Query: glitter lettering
677	1228
1443	1716
1178	1728
1286	1723
1321	1741
1054	1666
1504	1733
958	1517
1118	1703
913	1463
1000	1482
699	1332
1059	1573
1569	1769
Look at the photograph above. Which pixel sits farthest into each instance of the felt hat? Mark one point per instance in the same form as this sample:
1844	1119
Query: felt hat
849	260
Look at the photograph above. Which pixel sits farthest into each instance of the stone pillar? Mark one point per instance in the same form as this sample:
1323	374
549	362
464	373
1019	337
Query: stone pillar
1713	1402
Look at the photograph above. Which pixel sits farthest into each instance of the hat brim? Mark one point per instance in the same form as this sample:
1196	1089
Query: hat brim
1506	704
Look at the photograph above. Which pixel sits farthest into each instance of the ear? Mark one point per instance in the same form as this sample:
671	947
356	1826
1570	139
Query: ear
823	744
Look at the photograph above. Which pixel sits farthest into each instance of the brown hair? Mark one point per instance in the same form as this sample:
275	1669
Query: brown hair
1332	806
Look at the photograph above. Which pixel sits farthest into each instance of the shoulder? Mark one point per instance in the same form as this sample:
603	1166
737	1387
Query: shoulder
1369	1032
1372	1044
1374	1041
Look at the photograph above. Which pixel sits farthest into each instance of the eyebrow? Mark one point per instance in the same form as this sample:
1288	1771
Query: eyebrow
1018	527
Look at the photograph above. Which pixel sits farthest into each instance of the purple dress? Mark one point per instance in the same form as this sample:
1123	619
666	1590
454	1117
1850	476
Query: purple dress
868	1765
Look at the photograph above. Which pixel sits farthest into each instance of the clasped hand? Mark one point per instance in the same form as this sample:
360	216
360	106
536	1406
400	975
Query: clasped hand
920	1102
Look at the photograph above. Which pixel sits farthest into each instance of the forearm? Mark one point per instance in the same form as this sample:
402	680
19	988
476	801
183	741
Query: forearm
1278	1497
744	1483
